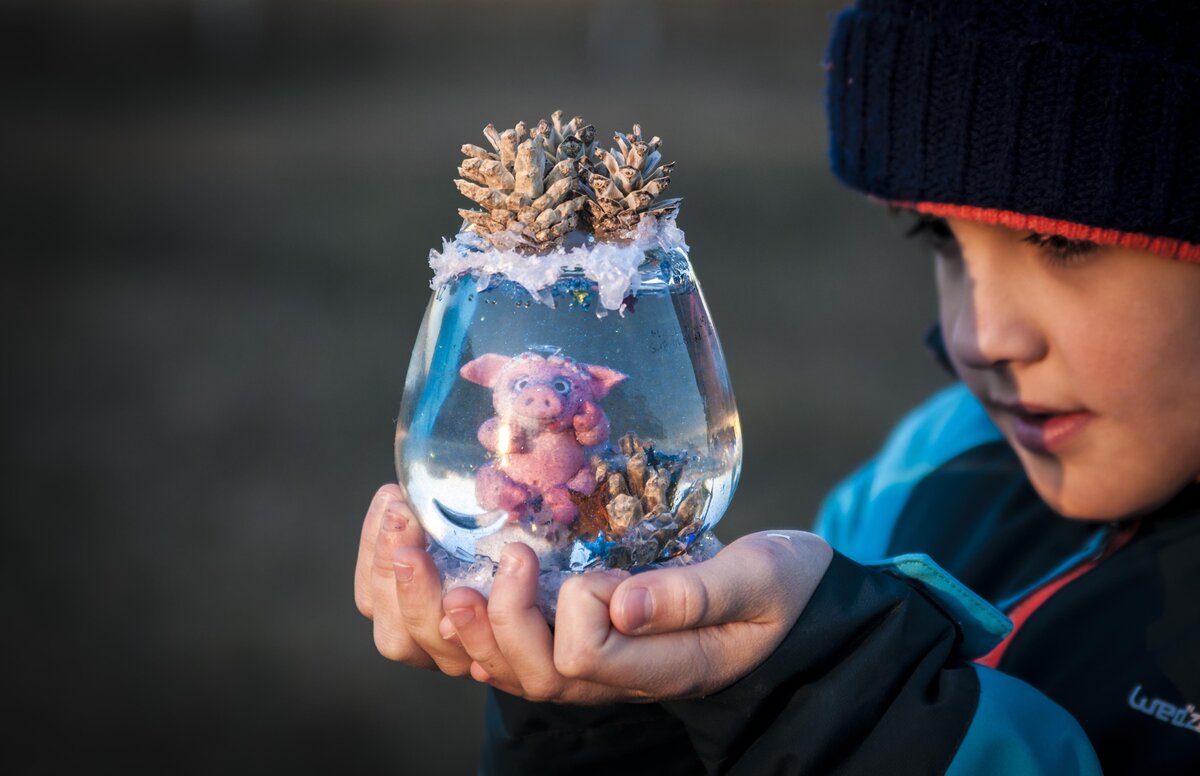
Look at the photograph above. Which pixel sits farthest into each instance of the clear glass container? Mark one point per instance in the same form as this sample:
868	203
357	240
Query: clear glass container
600	439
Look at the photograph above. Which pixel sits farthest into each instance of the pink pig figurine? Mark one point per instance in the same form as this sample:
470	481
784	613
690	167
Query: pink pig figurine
546	415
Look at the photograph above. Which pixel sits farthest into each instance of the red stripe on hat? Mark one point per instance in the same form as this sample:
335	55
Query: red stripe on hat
1164	246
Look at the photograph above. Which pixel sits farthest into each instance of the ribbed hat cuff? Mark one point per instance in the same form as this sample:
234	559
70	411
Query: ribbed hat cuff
1164	246
956	120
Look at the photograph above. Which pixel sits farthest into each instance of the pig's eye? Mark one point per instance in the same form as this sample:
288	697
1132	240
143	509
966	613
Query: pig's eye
520	384
562	386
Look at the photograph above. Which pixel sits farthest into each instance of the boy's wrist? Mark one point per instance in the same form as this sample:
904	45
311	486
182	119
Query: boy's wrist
862	631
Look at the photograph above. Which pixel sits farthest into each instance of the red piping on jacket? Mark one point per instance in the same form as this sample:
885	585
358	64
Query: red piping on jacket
1021	612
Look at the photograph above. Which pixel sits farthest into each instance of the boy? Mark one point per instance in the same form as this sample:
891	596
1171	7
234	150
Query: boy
1052	154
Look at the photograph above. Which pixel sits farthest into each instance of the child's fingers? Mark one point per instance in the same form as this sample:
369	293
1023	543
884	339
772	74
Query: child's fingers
525	638
467	621
417	588
392	638
720	618
519	626
511	644
583	632
684	664
383	499
681	664
760	578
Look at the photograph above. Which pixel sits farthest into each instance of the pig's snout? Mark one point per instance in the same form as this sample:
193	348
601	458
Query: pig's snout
539	402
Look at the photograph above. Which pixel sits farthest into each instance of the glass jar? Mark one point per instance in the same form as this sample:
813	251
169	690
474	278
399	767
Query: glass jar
600	438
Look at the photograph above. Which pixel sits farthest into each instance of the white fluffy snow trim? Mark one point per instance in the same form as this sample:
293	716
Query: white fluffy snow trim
614	268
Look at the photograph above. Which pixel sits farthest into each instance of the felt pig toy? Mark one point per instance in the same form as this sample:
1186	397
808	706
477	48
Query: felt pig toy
546	416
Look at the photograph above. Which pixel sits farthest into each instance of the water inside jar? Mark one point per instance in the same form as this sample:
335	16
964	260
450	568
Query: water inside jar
480	474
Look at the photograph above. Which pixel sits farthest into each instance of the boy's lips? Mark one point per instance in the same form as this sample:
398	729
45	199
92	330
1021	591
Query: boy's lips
1042	429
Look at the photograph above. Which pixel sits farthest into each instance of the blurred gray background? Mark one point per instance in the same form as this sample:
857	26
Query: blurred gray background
216	216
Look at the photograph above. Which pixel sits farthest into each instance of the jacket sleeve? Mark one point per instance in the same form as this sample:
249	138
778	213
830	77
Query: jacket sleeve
521	738
876	675
871	680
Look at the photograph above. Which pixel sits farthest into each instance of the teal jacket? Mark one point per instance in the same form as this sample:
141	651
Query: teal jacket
938	538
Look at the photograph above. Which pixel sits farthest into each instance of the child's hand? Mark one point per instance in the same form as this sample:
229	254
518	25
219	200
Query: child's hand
398	587
665	634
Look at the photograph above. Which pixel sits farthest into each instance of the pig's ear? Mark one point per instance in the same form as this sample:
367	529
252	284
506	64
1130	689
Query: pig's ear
603	379
485	369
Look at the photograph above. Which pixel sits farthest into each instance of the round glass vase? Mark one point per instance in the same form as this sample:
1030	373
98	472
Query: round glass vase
600	438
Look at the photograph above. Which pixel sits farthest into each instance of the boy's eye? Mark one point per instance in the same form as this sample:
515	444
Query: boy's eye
934	231
1060	250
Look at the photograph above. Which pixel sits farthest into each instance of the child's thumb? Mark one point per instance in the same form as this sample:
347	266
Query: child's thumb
757	578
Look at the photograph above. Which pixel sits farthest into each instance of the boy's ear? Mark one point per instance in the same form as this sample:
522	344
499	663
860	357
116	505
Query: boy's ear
485	369
603	379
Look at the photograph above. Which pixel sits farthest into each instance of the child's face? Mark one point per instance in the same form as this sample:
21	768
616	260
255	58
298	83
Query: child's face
1087	358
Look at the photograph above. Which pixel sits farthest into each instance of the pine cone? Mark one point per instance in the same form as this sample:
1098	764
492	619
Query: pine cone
631	505
529	185
625	183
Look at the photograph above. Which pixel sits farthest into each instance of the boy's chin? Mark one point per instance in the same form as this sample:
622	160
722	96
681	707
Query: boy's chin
1080	494
1080	509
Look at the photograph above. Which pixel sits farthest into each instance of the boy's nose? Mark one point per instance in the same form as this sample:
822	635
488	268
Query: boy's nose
993	324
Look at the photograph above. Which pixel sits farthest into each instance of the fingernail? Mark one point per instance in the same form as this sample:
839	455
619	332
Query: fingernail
461	617
637	607
509	564
404	572
446	629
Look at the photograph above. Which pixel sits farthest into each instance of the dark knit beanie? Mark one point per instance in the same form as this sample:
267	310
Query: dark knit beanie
1078	118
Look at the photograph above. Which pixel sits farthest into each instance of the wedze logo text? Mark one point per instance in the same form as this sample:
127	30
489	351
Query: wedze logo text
1184	717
